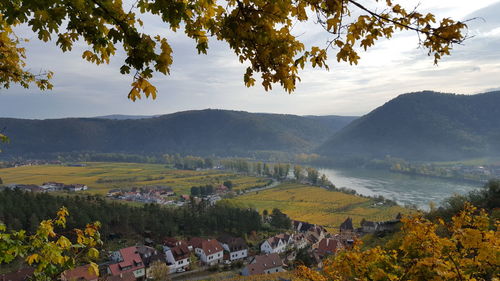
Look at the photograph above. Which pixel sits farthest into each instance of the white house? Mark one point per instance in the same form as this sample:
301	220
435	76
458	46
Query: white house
300	241
177	257
276	244
264	264
209	251
52	186
127	260
236	248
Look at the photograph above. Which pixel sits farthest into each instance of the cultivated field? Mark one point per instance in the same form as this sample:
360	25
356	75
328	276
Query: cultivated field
101	177
317	205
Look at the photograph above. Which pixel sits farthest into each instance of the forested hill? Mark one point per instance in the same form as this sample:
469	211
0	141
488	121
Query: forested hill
203	132
423	126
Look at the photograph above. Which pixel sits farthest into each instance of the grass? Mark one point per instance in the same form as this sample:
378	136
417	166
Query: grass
101	177
317	205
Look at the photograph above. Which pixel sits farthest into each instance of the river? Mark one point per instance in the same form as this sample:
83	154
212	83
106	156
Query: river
402	188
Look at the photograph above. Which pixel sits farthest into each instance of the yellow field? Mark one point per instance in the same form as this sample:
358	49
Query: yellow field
100	177
317	205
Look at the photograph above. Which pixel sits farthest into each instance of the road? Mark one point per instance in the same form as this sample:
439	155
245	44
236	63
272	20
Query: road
273	184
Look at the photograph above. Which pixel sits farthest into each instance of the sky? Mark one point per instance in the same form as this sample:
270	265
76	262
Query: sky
393	67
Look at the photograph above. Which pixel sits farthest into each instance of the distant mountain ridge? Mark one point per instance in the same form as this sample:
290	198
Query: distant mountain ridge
423	126
198	132
125	117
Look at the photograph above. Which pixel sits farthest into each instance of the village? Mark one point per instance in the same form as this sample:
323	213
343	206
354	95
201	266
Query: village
165	195
185	257
207	256
49	187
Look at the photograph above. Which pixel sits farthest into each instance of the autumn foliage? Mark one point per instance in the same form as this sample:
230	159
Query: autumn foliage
51	252
259	32
467	248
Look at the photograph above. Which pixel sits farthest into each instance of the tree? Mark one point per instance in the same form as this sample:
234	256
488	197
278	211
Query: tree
280	220
228	184
259	33
51	253
193	261
465	249
195	191
3	138
323	180
298	172
159	271
312	175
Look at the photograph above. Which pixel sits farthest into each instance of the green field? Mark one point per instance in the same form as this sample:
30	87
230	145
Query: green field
317	205
101	177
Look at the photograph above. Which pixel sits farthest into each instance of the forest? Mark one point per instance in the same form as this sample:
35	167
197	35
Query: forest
25	210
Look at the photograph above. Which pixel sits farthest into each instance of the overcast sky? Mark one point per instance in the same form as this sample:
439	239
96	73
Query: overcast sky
215	80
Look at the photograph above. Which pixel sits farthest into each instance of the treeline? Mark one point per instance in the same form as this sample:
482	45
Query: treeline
175	160
202	190
129	179
25	210
487	198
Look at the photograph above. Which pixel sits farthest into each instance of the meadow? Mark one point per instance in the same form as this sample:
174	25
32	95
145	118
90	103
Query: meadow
101	177
317	205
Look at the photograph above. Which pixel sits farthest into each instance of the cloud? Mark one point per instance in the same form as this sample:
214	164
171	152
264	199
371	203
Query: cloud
215	80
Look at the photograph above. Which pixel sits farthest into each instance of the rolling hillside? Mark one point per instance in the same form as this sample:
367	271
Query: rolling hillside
203	132
423	126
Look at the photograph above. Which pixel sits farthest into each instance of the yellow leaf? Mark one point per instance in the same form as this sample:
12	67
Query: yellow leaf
33	258
94	269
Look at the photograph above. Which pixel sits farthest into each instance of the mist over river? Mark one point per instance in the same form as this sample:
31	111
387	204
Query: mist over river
402	188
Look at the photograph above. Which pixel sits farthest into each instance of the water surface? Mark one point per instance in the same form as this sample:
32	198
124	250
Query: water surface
402	188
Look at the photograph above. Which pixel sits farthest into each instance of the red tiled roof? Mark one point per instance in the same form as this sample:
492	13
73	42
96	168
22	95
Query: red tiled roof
170	241
211	247
79	273
264	262
131	258
328	246
195	242
180	252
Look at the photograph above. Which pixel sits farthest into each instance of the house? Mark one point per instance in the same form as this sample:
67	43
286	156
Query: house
80	273
127	276
313	233
347	233
368	226
236	247
127	260
52	186
150	255
276	244
328	246
75	187
20	275
300	241
221	189
209	251
372	227
167	191
301	226
176	254
26	187
212	199
264	264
